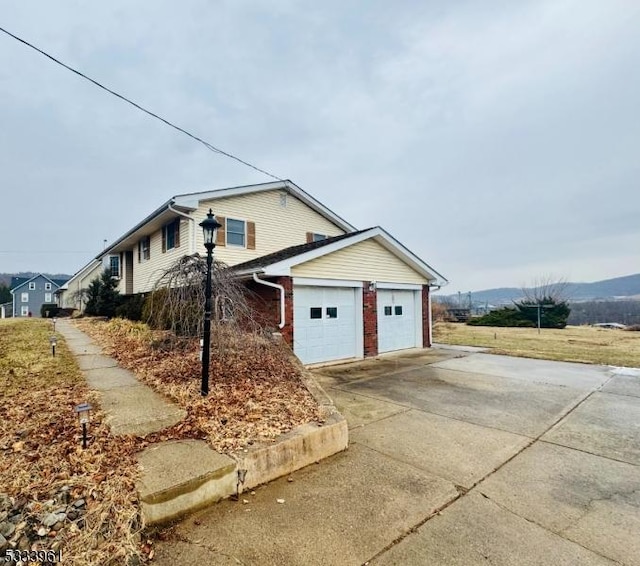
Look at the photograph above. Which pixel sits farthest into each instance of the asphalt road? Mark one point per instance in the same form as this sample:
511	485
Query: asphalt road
456	458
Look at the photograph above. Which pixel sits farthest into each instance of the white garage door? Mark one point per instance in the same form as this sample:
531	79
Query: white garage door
325	323
397	321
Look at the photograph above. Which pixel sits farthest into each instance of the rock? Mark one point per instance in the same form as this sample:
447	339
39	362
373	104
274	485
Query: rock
279	500
7	529
15	519
3	543
59	525
50	520
73	515
5	502
23	543
79	503
42	531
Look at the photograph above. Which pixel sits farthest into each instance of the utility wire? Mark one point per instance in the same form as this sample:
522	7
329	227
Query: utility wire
135	105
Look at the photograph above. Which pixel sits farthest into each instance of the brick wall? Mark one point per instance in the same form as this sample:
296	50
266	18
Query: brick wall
370	319
265	301
426	327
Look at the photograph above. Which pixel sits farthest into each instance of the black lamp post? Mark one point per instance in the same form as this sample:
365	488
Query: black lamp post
210	228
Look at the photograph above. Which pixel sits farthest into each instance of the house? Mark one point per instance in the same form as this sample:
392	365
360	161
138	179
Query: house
30	293
71	294
334	292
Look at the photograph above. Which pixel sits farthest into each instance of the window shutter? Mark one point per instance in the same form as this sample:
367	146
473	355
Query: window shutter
251	235
164	239
221	238
176	237
140	251
309	237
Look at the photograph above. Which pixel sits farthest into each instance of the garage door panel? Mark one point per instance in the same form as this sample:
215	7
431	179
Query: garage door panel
396	320
331	333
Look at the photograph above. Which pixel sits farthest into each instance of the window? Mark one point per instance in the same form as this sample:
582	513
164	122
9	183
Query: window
47	298
319	237
24	297
114	265
236	230
316	312
24	310
47	286
388	311
171	235
32	286
332	312
144	249
399	310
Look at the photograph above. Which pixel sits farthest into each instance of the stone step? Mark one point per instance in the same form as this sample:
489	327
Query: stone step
181	476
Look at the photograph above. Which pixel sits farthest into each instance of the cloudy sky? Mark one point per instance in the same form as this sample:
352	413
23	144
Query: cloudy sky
498	140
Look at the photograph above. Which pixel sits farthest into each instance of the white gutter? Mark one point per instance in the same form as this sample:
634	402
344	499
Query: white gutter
430	315
192	231
275	286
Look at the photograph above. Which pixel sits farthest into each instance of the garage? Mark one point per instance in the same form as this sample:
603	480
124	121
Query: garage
399	317
327	322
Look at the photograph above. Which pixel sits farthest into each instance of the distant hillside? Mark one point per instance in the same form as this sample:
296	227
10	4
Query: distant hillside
617	288
6	277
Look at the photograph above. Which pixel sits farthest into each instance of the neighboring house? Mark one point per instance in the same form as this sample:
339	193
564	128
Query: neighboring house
335	292
30	293
71	295
6	310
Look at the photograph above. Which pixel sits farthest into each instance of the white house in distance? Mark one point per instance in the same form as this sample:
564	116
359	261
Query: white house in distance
335	292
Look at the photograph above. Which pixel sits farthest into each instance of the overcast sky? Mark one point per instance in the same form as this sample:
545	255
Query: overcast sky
498	140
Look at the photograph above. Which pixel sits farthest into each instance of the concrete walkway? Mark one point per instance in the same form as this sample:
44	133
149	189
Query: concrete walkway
131	406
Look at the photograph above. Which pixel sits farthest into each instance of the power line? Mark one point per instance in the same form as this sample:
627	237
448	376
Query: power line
137	106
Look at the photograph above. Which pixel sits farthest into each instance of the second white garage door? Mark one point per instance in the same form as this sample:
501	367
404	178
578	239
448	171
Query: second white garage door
326	323
397	320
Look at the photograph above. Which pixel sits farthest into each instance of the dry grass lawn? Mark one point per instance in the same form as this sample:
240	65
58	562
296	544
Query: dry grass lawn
44	470
583	344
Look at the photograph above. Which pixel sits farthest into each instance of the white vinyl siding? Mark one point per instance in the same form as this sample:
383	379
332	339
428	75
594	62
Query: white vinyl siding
365	261
276	226
146	273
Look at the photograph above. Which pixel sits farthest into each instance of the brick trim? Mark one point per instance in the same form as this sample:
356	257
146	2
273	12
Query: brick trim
370	320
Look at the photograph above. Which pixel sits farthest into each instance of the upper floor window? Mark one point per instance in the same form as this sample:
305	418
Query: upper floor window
236	232
114	265
32	286
144	249
47	286
171	235
24	297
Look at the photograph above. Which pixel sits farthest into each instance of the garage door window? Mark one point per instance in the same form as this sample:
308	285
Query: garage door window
315	312
388	311
332	312
399	310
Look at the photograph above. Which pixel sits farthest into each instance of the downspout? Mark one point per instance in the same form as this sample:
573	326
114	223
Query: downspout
275	286
192	230
430	314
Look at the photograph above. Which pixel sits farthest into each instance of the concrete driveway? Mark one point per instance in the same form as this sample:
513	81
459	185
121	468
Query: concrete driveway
456	457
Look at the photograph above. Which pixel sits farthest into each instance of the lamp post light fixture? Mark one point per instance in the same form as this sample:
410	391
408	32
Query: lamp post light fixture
54	323
210	229
84	416
53	341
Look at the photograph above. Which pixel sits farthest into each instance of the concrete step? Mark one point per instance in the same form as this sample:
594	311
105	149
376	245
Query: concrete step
181	476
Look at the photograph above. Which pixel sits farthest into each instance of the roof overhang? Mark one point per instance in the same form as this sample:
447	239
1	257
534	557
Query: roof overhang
191	201
381	236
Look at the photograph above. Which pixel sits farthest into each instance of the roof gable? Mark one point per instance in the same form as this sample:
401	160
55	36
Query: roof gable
281	262
17	282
